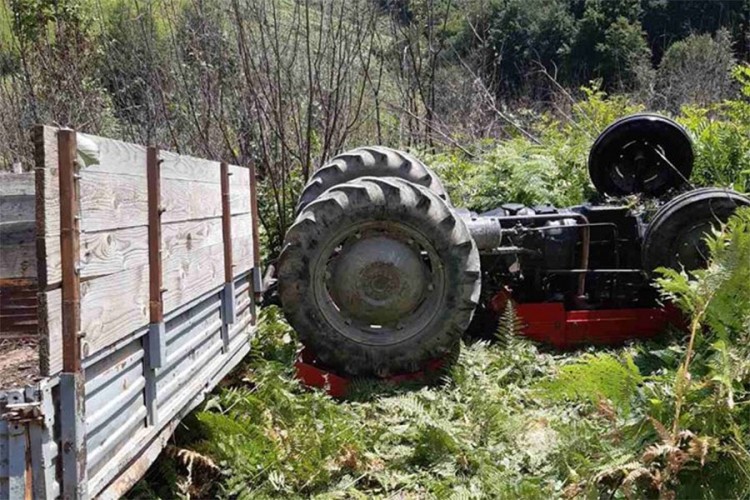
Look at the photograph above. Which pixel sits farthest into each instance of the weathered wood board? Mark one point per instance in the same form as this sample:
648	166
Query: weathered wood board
114	240
18	284
47	207
50	331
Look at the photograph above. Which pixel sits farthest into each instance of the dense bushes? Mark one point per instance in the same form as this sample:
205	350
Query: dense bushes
287	84
555	169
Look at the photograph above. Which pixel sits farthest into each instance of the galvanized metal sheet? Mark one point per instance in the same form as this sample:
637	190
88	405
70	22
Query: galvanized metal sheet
115	403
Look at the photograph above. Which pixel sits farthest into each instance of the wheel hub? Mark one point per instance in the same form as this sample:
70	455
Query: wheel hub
378	280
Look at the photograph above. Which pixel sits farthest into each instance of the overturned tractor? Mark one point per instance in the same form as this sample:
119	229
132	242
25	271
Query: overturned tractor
380	274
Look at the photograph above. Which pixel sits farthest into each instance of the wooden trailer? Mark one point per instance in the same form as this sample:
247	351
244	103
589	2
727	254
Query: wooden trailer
129	279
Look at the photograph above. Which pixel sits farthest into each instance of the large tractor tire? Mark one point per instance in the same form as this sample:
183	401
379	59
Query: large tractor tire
379	276
641	154
675	237
371	161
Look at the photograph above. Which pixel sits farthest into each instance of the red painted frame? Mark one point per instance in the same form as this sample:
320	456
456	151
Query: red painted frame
548	323
312	373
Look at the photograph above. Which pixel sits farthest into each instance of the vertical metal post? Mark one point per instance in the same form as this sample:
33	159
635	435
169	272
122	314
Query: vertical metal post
229	311
257	278
18	453
157	340
72	387
155	343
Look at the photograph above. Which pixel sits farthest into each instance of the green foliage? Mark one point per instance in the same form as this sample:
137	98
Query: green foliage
695	70
594	378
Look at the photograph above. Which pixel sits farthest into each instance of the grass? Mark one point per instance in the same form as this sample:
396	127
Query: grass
509	419
501	423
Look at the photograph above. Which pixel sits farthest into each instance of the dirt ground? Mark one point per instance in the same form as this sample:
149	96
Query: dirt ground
19	363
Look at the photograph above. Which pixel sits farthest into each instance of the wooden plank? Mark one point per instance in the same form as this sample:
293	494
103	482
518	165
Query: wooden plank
18	311
47	206
154	236
242	243
109	156
12	184
192	274
113	184
188	168
111	252
180	238
188	200
18	261
16	207
69	251
114	306
110	201
239	184
49	314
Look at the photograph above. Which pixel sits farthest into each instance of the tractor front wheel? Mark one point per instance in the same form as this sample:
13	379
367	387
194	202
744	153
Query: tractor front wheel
379	276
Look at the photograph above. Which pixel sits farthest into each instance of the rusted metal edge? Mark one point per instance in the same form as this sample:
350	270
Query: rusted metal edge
156	337
72	389
257	276
70	251
73	436
229	310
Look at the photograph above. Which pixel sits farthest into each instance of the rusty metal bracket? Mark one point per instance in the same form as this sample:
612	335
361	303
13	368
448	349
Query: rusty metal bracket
23	412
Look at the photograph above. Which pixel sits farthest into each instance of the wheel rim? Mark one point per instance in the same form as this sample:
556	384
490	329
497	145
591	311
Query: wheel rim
379	278
689	248
639	164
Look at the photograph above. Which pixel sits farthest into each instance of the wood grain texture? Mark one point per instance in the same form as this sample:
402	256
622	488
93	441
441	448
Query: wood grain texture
195	272
189	168
16	207
109	156
49	314
239	189
187	200
18	312
47	189
113	307
111	201
17	250
17	184
242	243
112	252
18	260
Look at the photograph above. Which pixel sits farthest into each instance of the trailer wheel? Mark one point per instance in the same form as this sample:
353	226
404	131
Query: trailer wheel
379	276
675	237
371	161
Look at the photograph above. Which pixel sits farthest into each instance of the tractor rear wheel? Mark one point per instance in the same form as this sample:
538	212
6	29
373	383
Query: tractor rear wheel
371	161
379	276
675	237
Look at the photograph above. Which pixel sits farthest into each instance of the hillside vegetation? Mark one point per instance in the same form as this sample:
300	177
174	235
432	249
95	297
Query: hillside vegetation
286	84
504	99
508	420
